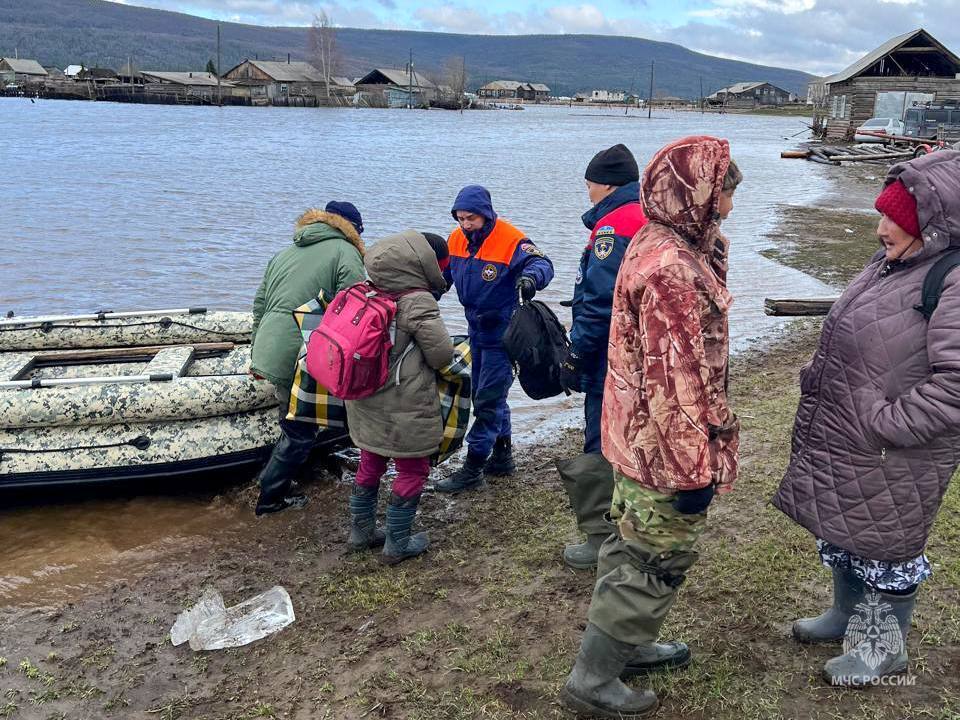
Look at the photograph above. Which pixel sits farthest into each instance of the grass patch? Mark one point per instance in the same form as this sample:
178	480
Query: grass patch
382	588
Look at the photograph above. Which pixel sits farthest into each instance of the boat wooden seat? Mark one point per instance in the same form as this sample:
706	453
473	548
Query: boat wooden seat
174	360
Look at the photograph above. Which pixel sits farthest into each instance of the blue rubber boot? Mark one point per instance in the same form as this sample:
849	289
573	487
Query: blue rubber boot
363	519
400	544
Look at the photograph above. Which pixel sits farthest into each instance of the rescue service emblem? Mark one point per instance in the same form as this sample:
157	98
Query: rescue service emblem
531	249
603	247
579	276
606	230
489	272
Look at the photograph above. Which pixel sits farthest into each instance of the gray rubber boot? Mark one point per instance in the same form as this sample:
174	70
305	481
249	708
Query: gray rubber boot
584	555
848	590
400	544
468	477
594	688
875	644
657	656
363	519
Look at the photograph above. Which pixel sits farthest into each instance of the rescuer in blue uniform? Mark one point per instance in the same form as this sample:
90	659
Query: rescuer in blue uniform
612	179
492	263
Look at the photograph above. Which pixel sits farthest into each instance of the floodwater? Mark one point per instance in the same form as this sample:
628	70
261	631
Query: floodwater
109	206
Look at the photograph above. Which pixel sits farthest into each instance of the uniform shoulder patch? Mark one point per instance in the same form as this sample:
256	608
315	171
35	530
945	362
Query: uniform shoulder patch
602	247
530	249
605	230
489	272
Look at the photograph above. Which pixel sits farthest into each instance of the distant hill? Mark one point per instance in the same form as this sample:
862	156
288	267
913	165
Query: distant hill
95	32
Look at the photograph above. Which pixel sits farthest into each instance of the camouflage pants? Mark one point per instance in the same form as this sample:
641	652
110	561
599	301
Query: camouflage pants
642	565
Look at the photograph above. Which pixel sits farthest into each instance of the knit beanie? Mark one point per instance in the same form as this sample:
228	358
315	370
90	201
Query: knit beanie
348	212
613	166
899	205
439	247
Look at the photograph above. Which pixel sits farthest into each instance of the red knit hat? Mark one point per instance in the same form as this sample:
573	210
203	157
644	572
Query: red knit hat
899	205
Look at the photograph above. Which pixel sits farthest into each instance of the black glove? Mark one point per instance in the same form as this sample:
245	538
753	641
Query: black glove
527	288
692	502
570	372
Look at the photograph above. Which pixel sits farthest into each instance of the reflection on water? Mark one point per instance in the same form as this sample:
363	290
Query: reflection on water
135	206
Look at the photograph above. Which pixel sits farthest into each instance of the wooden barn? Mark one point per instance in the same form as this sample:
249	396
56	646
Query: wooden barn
911	68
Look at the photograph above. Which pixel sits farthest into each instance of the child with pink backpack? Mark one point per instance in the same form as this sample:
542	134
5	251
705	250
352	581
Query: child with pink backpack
402	419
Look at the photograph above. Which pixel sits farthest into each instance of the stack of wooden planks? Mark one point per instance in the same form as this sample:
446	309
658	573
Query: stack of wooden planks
835	155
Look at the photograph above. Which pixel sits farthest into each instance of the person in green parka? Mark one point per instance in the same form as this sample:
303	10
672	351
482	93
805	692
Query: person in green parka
326	255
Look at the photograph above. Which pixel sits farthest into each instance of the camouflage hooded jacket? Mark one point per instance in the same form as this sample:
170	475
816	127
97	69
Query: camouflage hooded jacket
666	421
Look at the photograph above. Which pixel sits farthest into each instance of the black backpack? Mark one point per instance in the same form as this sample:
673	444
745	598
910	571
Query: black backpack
933	282
536	343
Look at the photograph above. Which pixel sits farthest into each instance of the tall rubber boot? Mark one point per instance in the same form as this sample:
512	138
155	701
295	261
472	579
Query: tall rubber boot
400	544
875	643
501	462
468	477
654	657
830	626
363	519
594	688
278	496
588	480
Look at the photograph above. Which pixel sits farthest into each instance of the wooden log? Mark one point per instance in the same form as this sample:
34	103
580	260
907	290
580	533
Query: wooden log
861	158
110	354
822	159
795	154
797	308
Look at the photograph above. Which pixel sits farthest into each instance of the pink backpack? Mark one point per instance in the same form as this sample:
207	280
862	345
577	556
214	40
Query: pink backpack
349	352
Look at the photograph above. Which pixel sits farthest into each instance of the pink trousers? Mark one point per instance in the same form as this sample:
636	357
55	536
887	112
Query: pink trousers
411	473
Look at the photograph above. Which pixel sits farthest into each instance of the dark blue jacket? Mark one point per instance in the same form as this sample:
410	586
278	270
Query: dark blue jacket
486	266
613	223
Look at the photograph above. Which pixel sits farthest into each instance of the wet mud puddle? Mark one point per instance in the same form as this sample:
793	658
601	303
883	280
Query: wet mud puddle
51	555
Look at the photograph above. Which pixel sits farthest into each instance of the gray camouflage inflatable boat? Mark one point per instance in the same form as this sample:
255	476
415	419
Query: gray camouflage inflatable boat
124	396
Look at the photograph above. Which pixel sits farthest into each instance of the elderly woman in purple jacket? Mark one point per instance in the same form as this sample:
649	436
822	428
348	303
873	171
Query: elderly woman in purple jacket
877	433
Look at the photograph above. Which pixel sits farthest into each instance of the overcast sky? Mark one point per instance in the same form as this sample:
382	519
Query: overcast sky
820	36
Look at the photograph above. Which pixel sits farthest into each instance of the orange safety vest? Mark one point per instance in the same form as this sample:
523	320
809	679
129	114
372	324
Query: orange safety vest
499	246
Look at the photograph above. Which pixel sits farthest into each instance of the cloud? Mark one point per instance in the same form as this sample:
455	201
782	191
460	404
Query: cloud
578	18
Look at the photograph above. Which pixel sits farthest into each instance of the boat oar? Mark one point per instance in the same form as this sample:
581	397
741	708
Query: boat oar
100	316
73	382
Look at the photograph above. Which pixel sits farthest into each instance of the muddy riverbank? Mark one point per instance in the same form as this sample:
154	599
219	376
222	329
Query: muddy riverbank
487	623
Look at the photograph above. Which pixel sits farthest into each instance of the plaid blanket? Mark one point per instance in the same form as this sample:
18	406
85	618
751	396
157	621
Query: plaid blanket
309	402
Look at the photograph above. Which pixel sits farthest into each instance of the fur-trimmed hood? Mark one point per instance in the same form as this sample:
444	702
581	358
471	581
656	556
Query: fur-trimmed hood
305	235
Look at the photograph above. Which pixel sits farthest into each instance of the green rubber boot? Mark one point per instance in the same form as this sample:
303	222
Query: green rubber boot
588	480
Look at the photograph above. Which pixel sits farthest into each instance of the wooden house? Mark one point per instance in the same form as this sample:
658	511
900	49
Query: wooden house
377	84
750	94
273	79
908	69
20	70
502	90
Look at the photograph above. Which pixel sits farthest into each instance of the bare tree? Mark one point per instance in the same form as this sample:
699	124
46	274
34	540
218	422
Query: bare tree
322	46
456	78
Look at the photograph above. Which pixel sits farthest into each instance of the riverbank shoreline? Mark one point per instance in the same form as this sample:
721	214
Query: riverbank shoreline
487	623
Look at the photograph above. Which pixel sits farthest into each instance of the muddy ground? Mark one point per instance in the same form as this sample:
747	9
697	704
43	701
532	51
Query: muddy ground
486	624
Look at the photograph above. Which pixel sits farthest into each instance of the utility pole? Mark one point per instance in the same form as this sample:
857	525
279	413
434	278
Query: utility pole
701	94
650	101
219	89
410	82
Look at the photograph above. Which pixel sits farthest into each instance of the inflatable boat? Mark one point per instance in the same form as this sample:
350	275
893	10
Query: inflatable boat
128	396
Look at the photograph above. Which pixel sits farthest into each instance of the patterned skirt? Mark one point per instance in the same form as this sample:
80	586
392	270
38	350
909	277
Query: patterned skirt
877	574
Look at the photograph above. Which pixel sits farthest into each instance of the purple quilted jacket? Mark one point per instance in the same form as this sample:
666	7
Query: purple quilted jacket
877	433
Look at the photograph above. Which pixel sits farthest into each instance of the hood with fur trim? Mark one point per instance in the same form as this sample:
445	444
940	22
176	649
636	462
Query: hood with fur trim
309	229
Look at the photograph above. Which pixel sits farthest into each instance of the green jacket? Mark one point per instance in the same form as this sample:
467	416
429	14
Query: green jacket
403	418
326	255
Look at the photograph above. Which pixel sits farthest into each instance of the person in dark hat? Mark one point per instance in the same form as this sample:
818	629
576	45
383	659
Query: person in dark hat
612	179
326	255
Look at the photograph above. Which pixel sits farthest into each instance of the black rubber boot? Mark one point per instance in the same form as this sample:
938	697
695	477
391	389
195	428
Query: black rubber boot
280	497
875	643
363	519
848	590
501	462
400	544
468	477
657	656
594	688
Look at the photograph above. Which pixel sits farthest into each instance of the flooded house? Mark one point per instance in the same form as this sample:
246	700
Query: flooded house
750	95
910	69
383	86
20	71
273	81
514	90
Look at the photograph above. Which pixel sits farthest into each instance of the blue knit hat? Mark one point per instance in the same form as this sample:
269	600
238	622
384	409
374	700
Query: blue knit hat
348	211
